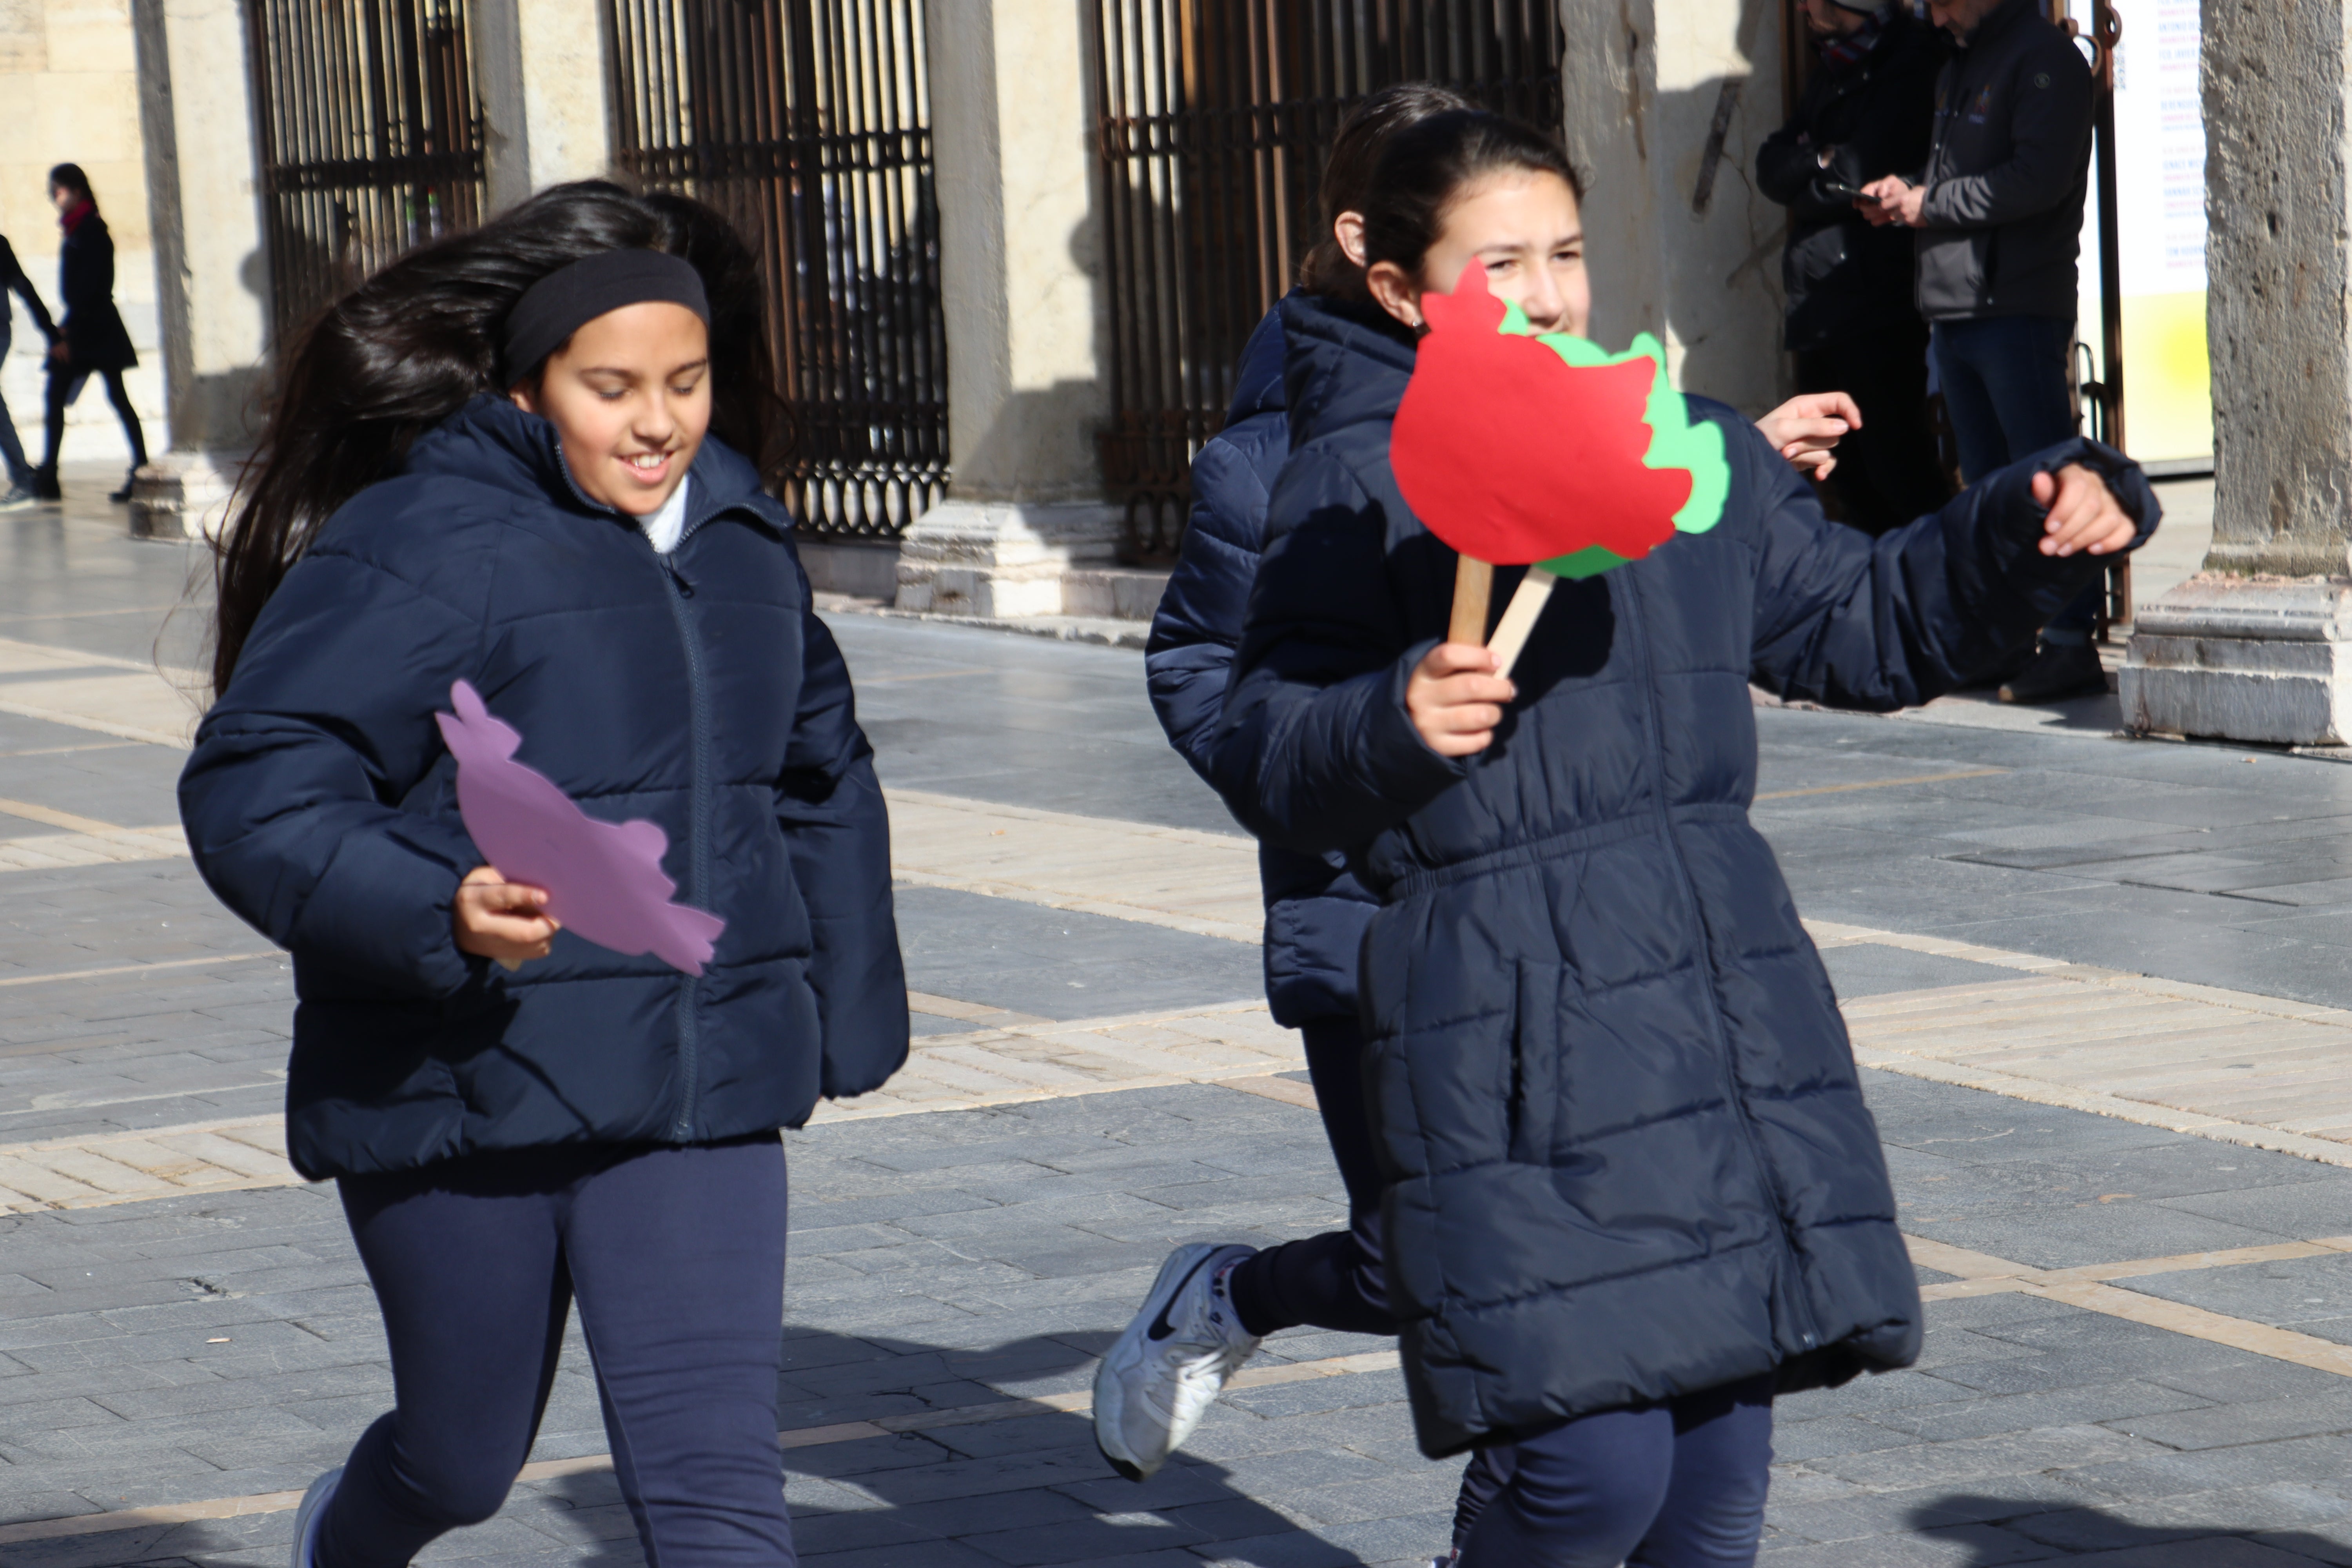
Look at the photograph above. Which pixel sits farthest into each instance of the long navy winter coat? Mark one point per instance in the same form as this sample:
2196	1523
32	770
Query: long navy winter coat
1607	1074
698	690
1315	910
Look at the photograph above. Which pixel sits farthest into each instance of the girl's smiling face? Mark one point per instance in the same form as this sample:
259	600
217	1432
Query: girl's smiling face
630	395
1524	227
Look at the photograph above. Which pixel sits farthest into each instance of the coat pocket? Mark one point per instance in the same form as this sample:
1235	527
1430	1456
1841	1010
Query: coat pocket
1535	1068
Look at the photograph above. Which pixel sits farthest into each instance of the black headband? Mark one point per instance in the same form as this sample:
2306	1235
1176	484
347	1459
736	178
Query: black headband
569	298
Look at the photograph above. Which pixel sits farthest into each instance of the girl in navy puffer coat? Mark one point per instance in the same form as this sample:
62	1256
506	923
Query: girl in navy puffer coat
1634	1188
500	460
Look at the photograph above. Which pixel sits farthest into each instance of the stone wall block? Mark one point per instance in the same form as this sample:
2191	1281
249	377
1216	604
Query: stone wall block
2263	661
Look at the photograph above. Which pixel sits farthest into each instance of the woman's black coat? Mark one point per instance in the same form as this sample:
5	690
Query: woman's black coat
92	328
1608	1076
698	689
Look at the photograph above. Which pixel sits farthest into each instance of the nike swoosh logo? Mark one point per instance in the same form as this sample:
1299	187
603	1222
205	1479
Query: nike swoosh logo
1161	1327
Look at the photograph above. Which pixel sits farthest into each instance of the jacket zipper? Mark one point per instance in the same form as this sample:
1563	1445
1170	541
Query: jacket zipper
1808	1328
699	787
698	849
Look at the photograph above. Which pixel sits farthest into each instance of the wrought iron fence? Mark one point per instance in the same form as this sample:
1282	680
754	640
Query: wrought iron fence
370	138
1214	118
808	121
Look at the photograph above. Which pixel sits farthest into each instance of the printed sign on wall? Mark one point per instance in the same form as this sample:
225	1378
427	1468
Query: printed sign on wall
2160	201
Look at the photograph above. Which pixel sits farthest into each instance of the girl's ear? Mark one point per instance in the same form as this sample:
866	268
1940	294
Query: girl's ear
1348	228
1398	294
524	396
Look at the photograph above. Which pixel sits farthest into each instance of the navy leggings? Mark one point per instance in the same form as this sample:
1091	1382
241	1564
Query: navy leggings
677	1255
1333	1280
1336	1279
1676	1484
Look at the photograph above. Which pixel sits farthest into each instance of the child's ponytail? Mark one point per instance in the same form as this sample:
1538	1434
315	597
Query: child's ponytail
1428	166
1347	176
413	345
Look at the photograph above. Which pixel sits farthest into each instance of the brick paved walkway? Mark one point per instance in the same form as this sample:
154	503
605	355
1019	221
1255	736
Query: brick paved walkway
2129	1192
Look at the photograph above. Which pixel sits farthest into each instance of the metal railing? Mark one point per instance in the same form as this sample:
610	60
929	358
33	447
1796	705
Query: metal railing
1215	116
808	123
371	139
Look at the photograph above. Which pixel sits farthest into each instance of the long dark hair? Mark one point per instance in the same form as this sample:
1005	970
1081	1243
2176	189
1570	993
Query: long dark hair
409	347
1428	166
1348	172
70	177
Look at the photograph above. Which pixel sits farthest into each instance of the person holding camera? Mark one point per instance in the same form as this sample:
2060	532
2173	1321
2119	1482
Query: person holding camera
1851	325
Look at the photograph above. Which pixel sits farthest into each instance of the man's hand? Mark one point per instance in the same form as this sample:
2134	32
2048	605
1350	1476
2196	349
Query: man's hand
2083	513
498	919
60	352
1890	200
1456	699
1804	429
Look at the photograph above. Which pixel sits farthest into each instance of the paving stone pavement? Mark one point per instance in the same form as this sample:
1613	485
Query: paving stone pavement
2088	1392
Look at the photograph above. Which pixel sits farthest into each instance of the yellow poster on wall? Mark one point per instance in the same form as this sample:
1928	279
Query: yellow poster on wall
2160	207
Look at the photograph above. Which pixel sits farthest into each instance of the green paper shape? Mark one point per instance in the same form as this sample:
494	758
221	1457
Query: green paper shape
1677	441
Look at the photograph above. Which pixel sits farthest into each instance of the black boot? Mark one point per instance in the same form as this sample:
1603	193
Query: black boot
2059	671
44	484
122	496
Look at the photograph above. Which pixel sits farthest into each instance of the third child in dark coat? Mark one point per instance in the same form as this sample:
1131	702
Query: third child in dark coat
1868	109
1634	1184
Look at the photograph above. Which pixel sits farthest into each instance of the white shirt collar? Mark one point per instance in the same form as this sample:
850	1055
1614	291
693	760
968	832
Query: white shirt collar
664	526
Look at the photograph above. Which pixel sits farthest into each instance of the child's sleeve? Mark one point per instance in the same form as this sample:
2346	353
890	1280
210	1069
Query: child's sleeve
838	831
1853	622
292	797
1316	751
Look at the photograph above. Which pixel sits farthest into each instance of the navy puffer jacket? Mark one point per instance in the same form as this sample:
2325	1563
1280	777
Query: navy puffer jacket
1315	910
698	690
1607	1074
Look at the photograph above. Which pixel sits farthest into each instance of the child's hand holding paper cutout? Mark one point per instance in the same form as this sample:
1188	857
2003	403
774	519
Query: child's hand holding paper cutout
500	919
604	880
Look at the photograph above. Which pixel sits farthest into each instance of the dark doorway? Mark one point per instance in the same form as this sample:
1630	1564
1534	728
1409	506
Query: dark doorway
808	123
1213	119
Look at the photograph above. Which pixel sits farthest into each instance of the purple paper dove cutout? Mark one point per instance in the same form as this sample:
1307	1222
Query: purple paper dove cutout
603	879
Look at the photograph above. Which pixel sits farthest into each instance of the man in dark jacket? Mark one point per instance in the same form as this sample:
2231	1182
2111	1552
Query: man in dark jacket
1851	323
19	493
1997	207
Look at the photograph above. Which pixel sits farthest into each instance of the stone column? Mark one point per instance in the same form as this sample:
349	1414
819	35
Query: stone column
211	262
541	70
1665	106
1011	122
2254	648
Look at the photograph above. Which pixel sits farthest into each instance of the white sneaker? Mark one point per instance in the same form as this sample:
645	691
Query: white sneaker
18	498
313	1508
1168	1368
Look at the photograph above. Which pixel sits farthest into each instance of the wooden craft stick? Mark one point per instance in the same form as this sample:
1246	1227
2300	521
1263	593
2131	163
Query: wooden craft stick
1518	618
1474	588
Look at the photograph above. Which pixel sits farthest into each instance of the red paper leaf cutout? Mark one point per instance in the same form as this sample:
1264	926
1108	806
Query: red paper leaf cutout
1511	454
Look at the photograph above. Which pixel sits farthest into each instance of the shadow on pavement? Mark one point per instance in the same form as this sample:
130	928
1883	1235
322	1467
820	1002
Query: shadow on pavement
1979	1531
1027	1489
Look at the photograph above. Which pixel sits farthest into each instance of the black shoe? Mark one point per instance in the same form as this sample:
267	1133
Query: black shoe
2059	671
122	496
45	485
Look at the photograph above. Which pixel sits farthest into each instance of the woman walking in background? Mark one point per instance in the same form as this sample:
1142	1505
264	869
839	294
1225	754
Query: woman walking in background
91	340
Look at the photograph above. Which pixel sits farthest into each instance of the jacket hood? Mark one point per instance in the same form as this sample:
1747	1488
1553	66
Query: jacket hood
1258	384
2000	20
491	442
1343	365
